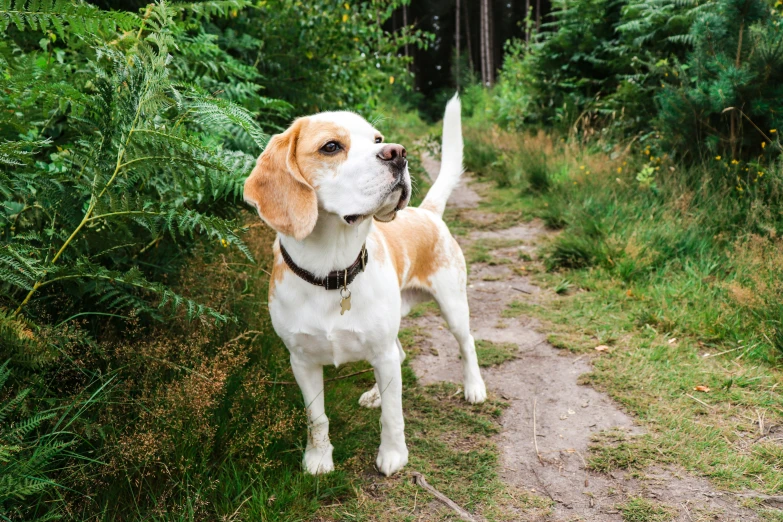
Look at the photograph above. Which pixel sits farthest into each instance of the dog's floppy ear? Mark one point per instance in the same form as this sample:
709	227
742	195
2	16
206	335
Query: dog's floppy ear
276	188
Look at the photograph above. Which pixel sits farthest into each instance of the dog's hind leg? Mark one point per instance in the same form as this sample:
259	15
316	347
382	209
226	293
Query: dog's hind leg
318	454
450	293
372	397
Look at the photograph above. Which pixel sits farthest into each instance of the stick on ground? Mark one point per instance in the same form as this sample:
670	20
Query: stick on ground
418	478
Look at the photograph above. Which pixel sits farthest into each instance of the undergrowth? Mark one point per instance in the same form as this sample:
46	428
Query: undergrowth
674	272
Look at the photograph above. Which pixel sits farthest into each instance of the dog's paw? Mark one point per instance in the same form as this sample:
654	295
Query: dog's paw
475	392
390	461
318	460
371	399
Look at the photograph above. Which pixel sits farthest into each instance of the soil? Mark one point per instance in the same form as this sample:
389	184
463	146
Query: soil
546	402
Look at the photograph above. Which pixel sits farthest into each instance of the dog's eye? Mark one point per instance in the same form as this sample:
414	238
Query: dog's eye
379	139
331	147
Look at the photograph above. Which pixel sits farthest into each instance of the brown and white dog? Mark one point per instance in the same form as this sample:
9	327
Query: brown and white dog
329	186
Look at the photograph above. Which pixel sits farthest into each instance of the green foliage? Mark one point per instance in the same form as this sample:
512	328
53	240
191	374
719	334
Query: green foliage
321	55
128	174
693	77
125	140
24	457
65	17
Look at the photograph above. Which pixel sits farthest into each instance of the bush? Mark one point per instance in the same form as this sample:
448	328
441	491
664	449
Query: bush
124	143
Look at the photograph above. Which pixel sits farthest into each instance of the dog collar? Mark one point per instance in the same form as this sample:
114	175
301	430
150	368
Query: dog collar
336	279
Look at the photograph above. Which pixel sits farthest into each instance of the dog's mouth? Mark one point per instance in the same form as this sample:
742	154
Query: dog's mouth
355	219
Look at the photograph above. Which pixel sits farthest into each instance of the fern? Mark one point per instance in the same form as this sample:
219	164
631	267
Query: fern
65	17
24	459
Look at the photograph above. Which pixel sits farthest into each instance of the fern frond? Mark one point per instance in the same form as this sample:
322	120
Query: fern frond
65	17
216	113
209	9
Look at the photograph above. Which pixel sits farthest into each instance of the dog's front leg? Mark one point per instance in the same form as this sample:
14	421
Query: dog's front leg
318	454
393	453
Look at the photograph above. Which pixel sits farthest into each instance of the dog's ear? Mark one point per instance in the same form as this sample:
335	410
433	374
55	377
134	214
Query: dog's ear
276	188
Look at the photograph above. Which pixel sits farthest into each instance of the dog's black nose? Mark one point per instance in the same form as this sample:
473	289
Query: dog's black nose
395	155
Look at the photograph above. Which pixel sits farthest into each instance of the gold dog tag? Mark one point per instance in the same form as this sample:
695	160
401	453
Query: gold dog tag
345	300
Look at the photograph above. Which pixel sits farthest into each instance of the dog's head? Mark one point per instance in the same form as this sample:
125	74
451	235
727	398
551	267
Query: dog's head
333	162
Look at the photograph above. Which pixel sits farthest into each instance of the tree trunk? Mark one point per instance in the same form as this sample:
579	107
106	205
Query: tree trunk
487	49
486	57
467	36
538	15
527	25
456	41
405	24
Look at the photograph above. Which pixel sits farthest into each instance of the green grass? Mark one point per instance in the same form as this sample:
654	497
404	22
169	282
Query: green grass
642	510
491	354
449	443
613	450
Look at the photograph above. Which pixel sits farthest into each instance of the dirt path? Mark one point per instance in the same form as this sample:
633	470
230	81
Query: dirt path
543	380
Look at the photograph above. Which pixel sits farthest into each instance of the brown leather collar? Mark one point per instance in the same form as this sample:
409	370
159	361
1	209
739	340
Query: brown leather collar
336	279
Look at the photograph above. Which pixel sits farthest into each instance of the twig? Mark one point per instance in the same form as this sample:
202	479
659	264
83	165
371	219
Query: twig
700	401
418	478
520	290
293	383
535	437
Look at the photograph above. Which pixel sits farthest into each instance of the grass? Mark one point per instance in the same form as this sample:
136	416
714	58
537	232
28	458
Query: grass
448	442
678	278
492	354
614	450
638	509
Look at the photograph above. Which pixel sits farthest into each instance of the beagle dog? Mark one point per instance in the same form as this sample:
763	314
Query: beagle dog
350	260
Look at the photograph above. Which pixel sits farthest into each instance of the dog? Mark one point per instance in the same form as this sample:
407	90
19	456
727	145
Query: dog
351	258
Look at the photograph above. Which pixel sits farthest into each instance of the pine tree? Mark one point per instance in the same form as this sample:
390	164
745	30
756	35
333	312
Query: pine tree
730	90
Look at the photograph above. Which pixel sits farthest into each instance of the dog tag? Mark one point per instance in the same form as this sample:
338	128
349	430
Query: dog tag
345	300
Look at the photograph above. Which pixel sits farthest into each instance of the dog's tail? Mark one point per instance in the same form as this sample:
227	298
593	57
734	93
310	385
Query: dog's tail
450	161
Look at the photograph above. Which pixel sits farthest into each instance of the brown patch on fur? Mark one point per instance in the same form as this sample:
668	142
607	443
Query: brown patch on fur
318	134
281	186
414	243
284	198
279	268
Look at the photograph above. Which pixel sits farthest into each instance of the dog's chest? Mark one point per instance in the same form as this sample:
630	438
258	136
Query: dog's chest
309	321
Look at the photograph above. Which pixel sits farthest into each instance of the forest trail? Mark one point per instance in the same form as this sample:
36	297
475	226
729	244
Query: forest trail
546	402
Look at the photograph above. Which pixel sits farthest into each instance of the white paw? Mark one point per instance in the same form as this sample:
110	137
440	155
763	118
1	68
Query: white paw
318	460
371	399
475	392
390	461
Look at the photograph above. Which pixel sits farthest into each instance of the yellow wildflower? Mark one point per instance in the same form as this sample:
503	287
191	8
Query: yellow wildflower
761	173
734	162
345	18
619	169
391	80
224	242
581	167
347	7
772	131
763	144
717	158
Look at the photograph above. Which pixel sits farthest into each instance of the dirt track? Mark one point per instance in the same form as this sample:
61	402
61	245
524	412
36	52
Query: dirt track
543	380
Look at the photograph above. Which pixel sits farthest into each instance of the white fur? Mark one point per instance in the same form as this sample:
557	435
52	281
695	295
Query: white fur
308	319
451	159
